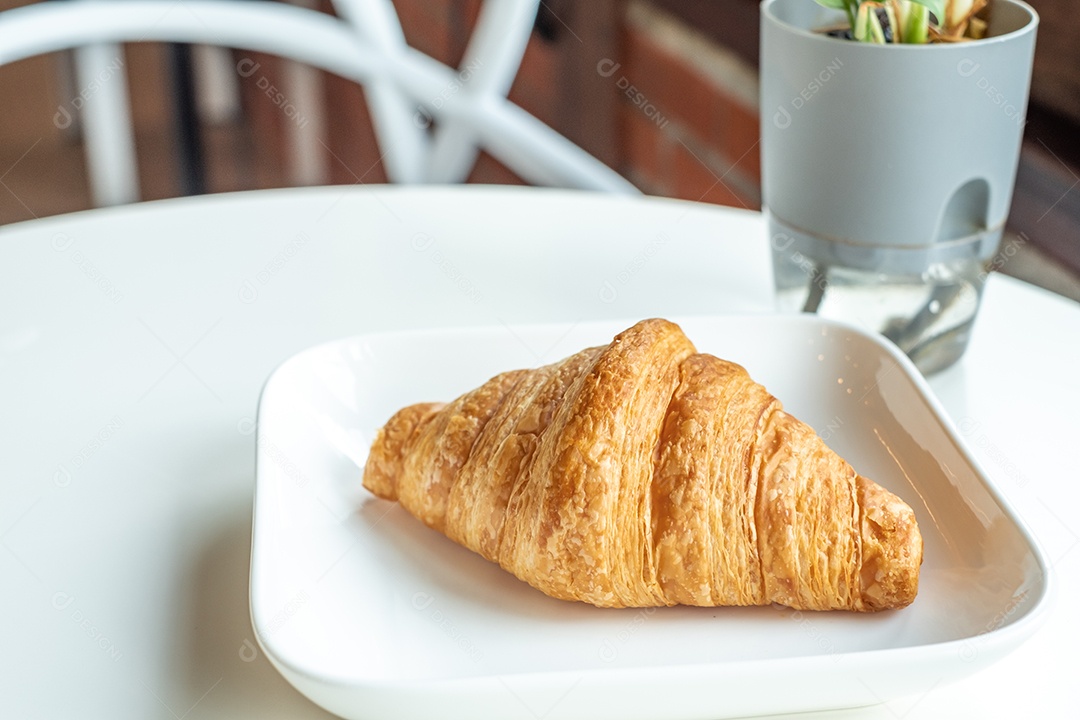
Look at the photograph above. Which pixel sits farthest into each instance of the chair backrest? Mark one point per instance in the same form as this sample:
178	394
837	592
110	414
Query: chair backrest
468	105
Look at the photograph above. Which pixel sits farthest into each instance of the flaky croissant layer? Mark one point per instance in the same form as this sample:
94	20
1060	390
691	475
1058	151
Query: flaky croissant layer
643	474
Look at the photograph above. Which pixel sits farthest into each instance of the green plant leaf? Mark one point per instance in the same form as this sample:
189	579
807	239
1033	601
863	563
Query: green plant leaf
916	24
867	26
849	6
935	6
894	23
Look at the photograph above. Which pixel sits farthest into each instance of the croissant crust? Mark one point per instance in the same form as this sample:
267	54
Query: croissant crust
642	474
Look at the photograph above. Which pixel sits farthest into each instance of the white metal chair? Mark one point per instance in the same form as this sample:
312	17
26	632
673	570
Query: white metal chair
366	44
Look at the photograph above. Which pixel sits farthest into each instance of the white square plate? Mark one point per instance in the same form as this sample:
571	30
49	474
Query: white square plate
372	615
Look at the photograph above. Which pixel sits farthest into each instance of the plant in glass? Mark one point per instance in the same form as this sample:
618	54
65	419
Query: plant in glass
915	22
891	131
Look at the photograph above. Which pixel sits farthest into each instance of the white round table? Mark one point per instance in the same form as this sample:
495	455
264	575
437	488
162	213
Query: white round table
134	343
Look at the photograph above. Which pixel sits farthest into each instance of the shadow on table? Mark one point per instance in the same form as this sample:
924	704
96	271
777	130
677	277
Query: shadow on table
226	674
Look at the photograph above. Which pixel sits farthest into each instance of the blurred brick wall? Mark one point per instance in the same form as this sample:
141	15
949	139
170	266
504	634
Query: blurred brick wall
439	28
671	110
652	97
1055	80
688	118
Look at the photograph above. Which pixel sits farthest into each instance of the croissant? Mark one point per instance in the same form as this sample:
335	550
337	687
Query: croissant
643	474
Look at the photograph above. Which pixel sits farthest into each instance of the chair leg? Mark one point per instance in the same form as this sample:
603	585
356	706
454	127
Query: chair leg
305	124
533	150
402	140
491	62
217	85
188	142
106	122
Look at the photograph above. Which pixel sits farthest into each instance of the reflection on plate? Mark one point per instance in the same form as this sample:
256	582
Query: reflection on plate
372	615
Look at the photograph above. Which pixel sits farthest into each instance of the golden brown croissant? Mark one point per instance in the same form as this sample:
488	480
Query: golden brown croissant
642	474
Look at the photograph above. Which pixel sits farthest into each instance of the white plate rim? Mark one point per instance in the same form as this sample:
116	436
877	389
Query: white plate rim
1000	640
